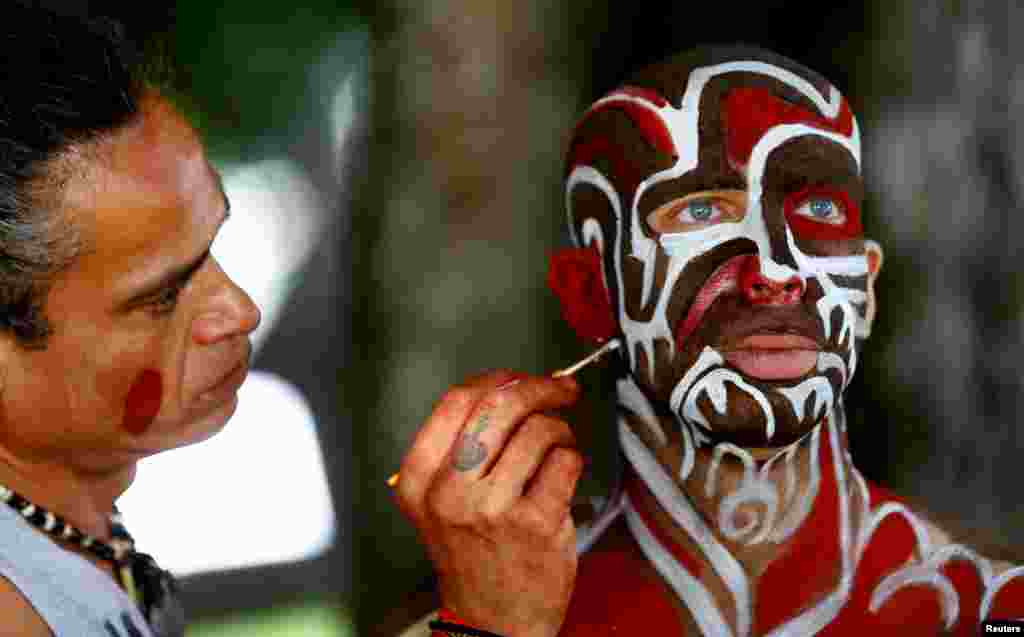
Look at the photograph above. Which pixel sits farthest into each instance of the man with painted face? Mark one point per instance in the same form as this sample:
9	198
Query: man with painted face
716	198
121	336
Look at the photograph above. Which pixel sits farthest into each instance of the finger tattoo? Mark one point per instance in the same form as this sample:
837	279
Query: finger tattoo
471	451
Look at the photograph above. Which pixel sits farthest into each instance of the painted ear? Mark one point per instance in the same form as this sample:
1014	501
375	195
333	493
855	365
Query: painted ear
575	276
873	251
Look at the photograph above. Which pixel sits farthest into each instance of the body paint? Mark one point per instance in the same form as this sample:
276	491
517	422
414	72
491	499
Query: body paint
862	526
142	403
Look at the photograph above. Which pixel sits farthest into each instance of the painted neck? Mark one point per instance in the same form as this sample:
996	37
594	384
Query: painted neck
748	503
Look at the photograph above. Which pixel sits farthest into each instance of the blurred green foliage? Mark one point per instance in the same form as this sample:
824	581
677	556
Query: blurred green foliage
311	620
246	66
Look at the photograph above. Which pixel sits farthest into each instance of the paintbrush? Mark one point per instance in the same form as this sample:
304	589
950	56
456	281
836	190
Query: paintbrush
593	357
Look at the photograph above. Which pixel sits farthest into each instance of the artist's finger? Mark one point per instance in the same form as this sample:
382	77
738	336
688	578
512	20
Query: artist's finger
523	454
494	418
432	445
555	483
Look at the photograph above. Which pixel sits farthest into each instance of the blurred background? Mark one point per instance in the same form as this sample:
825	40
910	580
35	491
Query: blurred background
395	168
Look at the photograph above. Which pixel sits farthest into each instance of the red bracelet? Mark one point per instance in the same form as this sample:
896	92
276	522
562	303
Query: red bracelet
448	617
448	624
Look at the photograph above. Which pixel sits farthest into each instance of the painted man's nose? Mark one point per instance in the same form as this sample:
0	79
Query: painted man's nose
761	290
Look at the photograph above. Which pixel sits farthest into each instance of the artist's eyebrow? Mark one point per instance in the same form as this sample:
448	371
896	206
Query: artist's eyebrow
177	276
223	192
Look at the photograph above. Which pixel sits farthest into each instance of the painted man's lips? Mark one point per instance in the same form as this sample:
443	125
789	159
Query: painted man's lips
773	356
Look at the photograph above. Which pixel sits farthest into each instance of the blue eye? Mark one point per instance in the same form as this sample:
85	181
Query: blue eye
822	208
700	210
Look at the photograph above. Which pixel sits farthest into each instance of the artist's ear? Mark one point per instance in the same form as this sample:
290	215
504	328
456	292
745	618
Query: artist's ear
873	252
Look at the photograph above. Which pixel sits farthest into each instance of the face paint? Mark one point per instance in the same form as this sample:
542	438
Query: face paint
661	297
142	403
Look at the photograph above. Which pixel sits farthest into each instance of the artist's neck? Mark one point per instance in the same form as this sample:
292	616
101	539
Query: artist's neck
84	498
724	475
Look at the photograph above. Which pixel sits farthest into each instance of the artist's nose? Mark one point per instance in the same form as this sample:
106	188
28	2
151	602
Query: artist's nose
229	312
759	289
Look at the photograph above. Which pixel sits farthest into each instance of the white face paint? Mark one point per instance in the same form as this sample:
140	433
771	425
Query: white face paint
709	377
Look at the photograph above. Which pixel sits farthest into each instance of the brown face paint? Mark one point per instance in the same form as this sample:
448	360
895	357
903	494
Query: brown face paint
143	402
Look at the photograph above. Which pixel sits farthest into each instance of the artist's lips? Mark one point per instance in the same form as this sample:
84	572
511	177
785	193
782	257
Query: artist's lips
228	384
773	356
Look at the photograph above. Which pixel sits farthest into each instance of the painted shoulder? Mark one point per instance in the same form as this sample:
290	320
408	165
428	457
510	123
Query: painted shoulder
915	563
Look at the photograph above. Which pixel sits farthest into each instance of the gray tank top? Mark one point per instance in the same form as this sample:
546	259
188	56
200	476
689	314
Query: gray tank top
72	595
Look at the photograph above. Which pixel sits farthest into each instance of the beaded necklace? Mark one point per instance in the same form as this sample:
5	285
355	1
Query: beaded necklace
151	588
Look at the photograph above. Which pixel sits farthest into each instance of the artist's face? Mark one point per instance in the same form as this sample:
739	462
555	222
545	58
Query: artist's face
740	269
150	336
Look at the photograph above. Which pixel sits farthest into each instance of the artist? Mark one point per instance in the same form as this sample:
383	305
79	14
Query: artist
122	337
714	202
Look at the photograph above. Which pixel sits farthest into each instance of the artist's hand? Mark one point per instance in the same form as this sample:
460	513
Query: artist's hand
488	483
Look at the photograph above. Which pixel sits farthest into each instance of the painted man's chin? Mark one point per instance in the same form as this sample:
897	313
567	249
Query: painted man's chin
743	420
772	365
751	435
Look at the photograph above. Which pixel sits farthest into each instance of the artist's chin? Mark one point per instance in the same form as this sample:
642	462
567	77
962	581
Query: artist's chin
212	408
211	423
199	425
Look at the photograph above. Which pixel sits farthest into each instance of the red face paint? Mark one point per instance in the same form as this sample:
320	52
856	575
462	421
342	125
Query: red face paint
749	113
651	127
807	228
143	402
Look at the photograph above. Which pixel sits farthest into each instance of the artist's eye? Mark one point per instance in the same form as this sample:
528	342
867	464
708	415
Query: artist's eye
697	211
166	301
824	210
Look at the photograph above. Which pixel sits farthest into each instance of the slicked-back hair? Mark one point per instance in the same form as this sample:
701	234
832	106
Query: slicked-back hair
68	82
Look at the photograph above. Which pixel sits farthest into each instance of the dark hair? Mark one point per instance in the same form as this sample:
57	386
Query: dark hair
68	82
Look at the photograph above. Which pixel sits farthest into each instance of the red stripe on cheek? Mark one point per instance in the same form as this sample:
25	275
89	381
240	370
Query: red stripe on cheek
143	402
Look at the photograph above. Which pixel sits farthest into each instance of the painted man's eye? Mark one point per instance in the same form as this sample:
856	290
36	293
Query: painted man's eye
824	210
698	211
